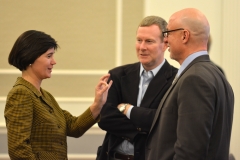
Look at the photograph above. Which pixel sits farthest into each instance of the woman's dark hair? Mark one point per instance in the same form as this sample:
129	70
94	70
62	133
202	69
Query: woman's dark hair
28	47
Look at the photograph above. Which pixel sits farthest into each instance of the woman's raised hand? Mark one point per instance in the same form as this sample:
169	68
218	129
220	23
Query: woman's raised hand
101	93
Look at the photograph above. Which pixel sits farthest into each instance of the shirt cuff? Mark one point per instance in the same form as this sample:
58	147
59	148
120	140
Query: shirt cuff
129	111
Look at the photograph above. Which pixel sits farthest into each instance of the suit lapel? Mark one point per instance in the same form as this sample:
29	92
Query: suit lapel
46	99
152	91
198	59
129	84
21	81
156	85
161	104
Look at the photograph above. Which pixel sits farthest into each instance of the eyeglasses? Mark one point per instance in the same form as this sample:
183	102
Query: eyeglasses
165	33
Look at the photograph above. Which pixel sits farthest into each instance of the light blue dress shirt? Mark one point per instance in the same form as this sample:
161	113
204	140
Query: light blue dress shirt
126	147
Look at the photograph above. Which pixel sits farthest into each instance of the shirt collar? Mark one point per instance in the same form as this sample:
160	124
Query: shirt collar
189	59
154	71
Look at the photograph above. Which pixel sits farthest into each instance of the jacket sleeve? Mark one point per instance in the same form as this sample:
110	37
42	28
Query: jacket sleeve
112	120
77	126
143	124
196	110
18	115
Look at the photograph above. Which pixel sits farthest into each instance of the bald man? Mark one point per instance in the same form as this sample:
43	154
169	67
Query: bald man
194	118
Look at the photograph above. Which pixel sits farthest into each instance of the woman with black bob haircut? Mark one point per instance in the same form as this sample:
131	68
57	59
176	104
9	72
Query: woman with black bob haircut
37	127
28	47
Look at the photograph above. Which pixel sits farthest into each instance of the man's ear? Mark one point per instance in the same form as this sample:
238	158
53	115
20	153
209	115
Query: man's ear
185	35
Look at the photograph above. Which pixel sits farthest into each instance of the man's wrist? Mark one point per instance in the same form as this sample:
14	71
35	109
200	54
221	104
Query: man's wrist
128	110
122	107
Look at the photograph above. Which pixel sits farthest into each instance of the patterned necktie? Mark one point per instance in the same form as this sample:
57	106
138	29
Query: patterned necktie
147	77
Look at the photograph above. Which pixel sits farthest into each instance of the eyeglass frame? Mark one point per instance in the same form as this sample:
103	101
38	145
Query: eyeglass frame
165	33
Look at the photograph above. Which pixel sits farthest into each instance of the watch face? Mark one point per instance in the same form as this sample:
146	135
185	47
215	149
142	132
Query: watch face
122	108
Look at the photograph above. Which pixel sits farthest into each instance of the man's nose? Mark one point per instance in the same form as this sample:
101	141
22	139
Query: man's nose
142	46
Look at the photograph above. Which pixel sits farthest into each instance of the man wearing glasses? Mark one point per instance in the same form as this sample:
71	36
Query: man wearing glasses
194	118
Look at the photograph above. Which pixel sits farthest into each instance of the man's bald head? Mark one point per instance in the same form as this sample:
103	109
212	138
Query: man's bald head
194	21
191	33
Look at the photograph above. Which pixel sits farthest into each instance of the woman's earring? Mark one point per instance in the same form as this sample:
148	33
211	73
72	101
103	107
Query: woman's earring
30	64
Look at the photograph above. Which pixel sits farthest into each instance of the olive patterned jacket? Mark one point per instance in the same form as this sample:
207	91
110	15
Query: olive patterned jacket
37	127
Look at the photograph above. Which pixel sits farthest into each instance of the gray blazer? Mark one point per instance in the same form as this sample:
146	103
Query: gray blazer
194	118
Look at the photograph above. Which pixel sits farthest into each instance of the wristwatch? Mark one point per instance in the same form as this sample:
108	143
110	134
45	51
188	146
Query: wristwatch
123	107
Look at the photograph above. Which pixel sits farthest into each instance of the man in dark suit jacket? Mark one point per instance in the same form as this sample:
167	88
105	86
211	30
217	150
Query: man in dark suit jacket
126	116
194	118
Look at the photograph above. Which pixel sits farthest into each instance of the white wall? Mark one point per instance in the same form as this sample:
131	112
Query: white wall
224	19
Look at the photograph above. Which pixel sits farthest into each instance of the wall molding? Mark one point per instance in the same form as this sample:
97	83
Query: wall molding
4	157
59	72
74	105
94	130
3	129
63	99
